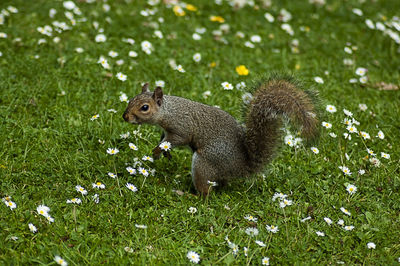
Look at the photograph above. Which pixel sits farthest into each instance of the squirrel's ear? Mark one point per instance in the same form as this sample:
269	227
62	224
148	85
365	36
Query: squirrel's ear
158	96
145	88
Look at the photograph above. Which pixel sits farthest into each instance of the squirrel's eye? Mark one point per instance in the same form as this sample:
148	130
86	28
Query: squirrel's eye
144	107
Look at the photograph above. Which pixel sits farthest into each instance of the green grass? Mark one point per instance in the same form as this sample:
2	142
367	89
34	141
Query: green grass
50	145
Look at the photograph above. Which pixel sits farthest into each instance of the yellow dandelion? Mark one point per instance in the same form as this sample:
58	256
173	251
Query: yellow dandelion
217	19
191	7
242	70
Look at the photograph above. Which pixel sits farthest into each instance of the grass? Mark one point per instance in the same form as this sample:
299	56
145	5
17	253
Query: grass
49	92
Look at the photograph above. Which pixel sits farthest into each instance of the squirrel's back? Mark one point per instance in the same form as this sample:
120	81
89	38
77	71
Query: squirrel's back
212	131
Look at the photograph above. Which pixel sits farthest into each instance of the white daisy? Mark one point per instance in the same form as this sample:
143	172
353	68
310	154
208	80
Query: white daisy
269	17
98	185
58	259
363	79
319	80
315	150
193	257
197	57
363	107
345	211
265	261
328	220
112	54
380	135
141	226
251	231
227	86
348	50
370	152
75	201
192	210
125	135
360	71
260	243
285	203
351	189
365	135
112	175
112	151
370	24
104	63
131	187
100	38
160	83
279	195
347	112
357	11
326	125
272	228
345	170
43	210
10	204
255	38
352	129
81	190
250	218
143	171
123	97
212	183
179	68
348	227
132	54
196	36
121	76
32	228
241	85
147	158
247	97
133	146
132	171
165	146
330	108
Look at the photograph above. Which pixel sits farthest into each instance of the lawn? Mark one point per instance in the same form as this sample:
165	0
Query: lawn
67	69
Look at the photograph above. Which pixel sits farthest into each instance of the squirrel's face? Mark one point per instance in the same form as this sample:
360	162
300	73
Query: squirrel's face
143	107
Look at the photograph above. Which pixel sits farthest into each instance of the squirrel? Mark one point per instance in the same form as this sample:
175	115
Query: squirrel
222	147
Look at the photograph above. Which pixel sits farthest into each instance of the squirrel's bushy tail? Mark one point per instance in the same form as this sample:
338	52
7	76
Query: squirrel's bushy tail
273	99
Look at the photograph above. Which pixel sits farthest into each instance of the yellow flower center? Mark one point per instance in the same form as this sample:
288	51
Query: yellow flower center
191	7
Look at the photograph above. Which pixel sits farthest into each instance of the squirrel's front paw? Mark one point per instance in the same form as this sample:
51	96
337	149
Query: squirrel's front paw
157	153
167	154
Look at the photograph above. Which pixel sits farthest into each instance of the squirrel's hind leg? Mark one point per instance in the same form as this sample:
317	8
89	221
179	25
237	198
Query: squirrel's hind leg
204	174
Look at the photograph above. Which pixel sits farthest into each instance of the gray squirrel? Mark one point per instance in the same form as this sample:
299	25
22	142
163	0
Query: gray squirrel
224	149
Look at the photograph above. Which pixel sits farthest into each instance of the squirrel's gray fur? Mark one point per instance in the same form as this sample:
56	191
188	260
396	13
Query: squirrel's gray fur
223	148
